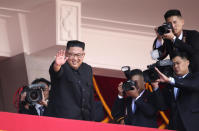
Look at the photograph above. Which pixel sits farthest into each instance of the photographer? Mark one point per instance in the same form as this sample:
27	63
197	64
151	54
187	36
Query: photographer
135	106
172	37
180	95
27	105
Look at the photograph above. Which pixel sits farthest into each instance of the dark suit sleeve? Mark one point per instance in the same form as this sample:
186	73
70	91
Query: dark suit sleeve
30	111
53	74
193	45
184	46
146	105
191	84
23	110
118	109
159	98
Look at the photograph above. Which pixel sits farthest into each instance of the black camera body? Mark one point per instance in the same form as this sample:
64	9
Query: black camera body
127	85
164	66
34	93
164	29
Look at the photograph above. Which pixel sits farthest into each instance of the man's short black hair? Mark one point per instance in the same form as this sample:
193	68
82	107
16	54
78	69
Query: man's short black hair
173	12
181	54
41	80
75	43
136	72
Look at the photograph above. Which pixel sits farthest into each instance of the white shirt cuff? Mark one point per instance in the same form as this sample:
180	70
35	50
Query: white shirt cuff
171	80
120	97
158	43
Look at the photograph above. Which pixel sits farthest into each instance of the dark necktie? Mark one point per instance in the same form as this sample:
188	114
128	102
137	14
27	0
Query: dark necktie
41	108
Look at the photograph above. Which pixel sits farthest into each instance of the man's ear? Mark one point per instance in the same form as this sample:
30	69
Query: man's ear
182	20
188	62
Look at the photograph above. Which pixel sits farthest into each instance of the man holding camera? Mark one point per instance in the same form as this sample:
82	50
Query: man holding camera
173	37
180	95
71	95
135	105
36	105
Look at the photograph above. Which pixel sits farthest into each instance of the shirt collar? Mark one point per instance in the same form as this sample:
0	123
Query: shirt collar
181	36
139	95
37	106
183	76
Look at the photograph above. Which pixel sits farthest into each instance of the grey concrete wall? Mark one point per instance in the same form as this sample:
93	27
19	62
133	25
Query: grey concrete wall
13	75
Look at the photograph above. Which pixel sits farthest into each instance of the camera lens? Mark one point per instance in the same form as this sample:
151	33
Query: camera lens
34	95
162	30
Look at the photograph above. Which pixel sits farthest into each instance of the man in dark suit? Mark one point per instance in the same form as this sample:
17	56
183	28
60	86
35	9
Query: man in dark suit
181	95
177	39
71	95
138	108
38	108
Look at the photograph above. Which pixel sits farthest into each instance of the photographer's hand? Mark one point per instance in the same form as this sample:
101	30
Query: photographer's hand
22	99
159	37
43	101
23	96
120	90
163	78
169	35
133	93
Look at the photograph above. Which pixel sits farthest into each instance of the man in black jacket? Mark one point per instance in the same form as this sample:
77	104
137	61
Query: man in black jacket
181	95
138	108
177	39
71	95
39	107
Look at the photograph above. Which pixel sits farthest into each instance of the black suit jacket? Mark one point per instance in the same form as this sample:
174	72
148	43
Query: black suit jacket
31	111
186	105
71	95
189	44
145	114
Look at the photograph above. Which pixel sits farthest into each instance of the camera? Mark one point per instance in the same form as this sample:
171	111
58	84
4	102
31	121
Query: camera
163	29
127	85
34	93
164	66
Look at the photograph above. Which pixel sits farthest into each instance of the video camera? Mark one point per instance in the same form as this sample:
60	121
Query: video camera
164	66
34	93
163	29
127	85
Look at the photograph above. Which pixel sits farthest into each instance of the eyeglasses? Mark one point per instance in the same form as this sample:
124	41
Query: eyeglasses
45	89
79	55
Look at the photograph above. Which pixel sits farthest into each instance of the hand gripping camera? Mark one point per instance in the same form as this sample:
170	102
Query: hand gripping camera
163	29
34	93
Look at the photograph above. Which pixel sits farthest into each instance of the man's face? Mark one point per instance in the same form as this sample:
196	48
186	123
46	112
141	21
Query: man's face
139	81
75	57
180	66
139	85
177	23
